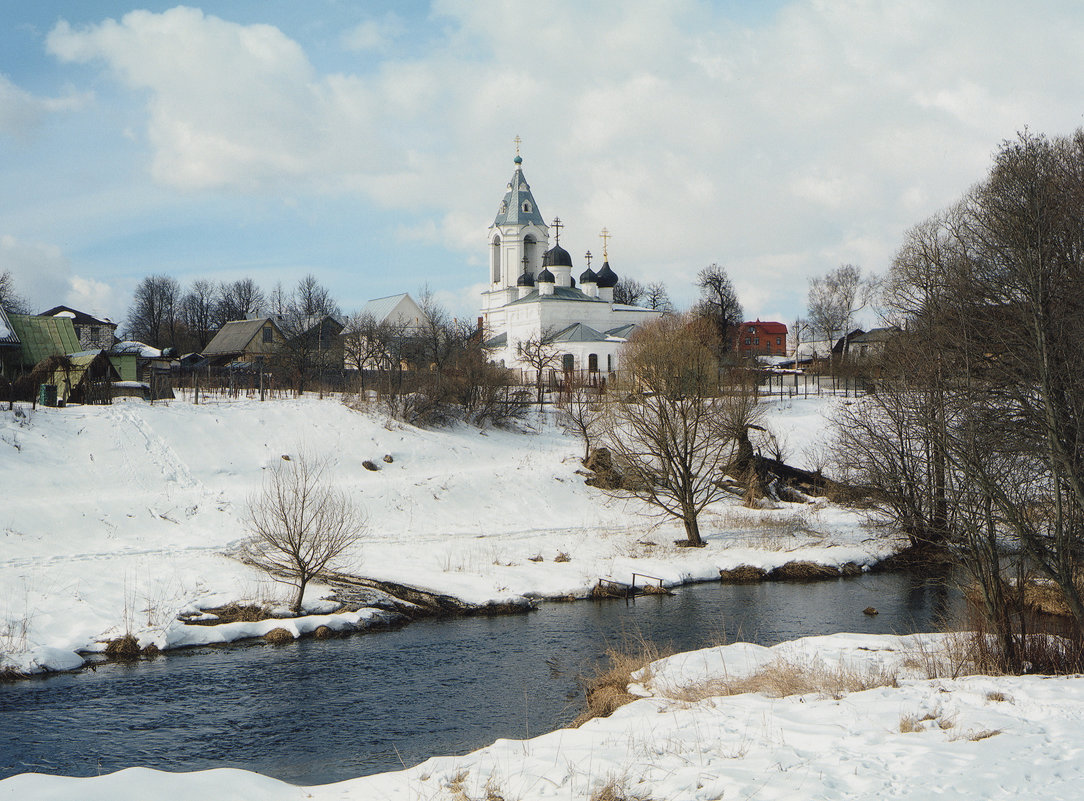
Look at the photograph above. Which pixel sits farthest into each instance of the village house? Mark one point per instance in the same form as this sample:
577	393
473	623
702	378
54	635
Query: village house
93	332
760	338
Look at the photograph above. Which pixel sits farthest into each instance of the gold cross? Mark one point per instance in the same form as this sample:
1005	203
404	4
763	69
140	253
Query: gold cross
605	237
517	140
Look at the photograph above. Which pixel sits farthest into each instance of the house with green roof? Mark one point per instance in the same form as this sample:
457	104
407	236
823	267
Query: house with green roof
41	337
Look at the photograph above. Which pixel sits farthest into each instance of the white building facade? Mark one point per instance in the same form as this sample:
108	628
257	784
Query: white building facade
532	291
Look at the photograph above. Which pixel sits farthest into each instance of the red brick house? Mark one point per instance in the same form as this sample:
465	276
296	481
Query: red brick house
761	339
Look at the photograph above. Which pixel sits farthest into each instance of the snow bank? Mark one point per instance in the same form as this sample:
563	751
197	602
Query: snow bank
125	516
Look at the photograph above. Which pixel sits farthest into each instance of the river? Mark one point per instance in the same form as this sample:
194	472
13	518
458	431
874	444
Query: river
319	711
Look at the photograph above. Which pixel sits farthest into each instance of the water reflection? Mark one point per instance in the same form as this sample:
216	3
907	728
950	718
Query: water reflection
321	711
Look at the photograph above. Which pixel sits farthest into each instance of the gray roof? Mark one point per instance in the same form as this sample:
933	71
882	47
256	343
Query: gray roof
7	333
578	332
498	341
622	331
234	336
380	308
559	293
518	206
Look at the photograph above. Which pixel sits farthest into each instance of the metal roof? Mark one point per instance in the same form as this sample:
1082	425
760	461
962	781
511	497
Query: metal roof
235	335
498	341
559	293
622	331
42	337
379	309
518	206
578	332
7	333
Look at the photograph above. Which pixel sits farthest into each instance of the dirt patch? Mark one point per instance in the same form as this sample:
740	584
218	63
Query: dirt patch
230	613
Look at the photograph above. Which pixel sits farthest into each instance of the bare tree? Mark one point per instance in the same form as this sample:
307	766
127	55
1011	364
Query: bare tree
836	297
656	297
197	313
719	303
238	300
540	354
155	310
300	523
668	428
628	291
312	346
579	413
10	300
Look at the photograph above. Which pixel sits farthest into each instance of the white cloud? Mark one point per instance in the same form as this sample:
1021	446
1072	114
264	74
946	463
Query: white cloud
42	275
21	112
816	137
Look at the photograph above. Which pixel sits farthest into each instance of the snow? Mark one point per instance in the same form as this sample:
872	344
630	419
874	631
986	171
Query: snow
125	515
968	738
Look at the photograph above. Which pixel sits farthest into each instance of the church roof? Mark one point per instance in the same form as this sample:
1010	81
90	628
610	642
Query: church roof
556	256
606	277
578	332
498	341
559	293
518	206
622	331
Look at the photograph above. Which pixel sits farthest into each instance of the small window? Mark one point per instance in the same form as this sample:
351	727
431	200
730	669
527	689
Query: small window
267	334
592	362
748	341
609	362
568	362
756	341
527	206
779	340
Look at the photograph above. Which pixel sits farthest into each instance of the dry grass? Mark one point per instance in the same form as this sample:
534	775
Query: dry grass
279	636
492	790
607	689
123	648
783	678
616	789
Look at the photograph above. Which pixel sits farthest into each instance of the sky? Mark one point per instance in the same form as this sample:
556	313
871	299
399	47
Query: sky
369	143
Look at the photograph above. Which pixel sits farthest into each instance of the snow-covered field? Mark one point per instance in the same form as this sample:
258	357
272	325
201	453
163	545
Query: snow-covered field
118	518
967	738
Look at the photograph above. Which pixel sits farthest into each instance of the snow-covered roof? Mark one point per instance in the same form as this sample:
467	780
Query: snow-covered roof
132	347
7	333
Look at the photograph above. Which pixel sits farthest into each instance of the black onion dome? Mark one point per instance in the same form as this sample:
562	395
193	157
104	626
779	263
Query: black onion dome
588	276
525	280
545	277
606	278
556	256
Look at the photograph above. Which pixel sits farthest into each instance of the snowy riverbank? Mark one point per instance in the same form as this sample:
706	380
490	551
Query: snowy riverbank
973	737
119	518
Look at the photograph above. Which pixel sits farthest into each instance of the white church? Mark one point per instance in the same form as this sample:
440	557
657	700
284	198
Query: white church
532	290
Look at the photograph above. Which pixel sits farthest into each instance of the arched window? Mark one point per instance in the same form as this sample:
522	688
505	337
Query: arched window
528	251
526	207
568	362
592	362
495	260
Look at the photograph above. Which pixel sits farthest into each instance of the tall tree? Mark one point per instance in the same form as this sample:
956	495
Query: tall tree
238	300
311	331
197	314
669	429
154	313
836	297
719	303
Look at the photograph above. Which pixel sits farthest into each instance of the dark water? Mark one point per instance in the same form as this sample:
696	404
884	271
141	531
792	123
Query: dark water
321	711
